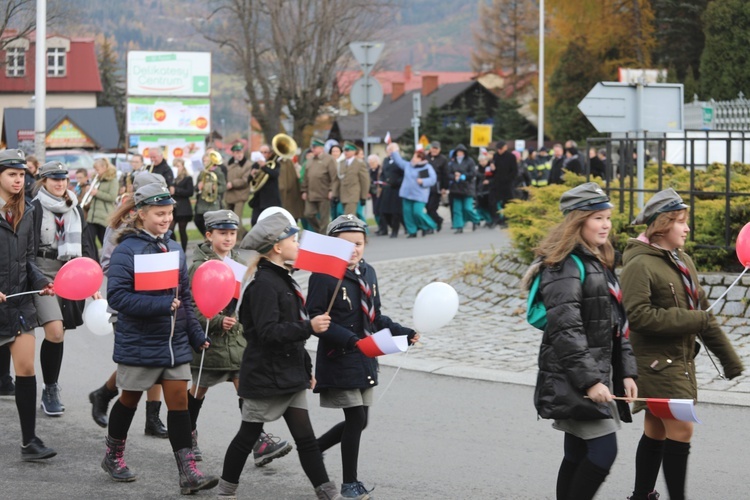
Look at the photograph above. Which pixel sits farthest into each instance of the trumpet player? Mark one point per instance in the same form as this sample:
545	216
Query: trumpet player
100	200
209	190
238	184
268	195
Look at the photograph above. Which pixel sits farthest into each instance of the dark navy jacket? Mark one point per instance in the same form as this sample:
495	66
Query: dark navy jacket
142	331
339	363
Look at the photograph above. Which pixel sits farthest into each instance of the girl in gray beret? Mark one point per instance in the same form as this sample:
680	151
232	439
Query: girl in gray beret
666	307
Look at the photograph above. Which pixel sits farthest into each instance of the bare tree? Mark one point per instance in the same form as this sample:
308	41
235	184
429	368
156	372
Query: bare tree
18	20
500	37
288	51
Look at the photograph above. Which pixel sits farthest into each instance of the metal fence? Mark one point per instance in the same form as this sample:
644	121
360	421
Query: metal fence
621	164
718	115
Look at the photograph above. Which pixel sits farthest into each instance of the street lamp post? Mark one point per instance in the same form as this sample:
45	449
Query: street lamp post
40	82
540	121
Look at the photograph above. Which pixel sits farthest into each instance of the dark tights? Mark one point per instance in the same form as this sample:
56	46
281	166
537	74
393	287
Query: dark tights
348	433
4	361
298	421
182	222
585	466
50	357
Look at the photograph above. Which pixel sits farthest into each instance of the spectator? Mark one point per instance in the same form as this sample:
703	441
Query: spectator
597	167
464	171
238	185
439	163
160	166
505	170
556	168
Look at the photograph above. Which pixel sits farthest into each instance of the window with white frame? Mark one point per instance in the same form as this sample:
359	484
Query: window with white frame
15	61
56	62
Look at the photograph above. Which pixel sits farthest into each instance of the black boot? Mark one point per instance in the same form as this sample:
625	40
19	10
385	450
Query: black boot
114	461
192	479
100	399
154	426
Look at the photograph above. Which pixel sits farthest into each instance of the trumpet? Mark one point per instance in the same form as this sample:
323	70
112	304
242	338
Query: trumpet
284	147
88	197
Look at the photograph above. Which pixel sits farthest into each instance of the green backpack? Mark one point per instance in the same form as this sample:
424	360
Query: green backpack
536	313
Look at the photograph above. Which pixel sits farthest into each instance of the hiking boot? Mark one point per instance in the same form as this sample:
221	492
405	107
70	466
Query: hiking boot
7	387
51	400
268	447
196	451
100	399
36	450
355	490
192	479
654	495
114	461
328	491
154	426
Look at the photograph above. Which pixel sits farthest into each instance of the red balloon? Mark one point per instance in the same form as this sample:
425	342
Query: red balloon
213	287
78	279
743	245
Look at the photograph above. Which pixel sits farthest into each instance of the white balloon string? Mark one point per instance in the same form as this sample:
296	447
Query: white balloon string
394	375
727	290
22	293
203	355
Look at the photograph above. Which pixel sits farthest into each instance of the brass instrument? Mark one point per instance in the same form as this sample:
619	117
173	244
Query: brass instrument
284	147
88	197
210	191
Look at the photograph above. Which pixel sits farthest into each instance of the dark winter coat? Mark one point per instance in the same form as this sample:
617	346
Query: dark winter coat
18	273
268	195
556	170
164	170
577	344
504	175
275	361
663	328
573	164
339	363
393	176
440	164
227	346
598	168
468	172
183	191
144	321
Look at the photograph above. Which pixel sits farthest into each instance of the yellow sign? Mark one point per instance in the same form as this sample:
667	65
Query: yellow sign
68	135
424	141
481	135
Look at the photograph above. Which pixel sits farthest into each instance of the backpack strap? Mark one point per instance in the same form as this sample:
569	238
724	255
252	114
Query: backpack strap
579	263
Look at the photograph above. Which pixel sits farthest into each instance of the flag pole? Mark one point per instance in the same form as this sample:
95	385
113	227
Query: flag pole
333	298
174	316
203	355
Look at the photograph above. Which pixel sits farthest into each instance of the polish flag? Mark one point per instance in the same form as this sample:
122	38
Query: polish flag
324	254
239	271
382	342
673	409
157	271
387	139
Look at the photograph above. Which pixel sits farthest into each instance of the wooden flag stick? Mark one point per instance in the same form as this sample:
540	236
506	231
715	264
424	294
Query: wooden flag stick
174	316
335	292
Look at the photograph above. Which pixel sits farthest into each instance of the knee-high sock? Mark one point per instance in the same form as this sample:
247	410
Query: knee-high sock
178	428
586	481
26	405
4	361
564	478
647	464
675	467
194	407
50	357
120	419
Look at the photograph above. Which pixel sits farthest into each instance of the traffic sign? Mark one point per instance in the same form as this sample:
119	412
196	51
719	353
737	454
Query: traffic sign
366	53
362	99
615	107
481	135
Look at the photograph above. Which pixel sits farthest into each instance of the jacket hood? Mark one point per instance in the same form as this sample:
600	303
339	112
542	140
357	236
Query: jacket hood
204	252
460	147
637	246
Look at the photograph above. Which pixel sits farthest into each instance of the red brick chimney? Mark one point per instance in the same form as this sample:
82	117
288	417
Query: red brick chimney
429	84
407	72
397	90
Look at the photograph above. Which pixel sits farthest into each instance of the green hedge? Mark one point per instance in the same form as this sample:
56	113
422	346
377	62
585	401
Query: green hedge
530	220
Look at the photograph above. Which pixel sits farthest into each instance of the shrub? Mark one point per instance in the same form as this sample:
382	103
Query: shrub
530	220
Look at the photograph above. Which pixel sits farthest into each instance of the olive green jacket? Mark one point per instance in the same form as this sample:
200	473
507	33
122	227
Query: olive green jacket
225	353
103	202
663	330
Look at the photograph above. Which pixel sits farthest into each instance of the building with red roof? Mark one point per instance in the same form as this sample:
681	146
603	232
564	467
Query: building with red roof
72	73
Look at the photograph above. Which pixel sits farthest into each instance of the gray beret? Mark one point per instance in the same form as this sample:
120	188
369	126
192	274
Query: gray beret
588	196
664	201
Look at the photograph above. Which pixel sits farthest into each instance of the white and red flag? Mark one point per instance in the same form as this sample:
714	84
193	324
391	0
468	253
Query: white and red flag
673	409
324	254
387	139
239	271
156	271
382	342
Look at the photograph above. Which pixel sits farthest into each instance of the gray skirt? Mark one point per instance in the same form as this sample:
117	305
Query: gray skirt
8	340
210	378
48	307
273	408
591	429
345	398
142	378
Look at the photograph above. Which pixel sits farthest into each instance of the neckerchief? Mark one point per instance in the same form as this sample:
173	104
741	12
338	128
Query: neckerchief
687	281
616	295
366	302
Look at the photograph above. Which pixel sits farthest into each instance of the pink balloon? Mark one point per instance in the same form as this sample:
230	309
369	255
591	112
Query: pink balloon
743	245
78	279
213	287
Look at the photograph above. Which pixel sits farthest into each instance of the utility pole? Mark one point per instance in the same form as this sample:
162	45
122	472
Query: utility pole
40	82
540	112
415	121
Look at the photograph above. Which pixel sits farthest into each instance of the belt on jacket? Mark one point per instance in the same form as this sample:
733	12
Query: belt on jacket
47	254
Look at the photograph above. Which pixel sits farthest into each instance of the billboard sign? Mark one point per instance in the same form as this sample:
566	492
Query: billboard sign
167	115
169	73
189	148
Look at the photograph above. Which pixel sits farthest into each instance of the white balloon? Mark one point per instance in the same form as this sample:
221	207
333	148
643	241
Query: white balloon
435	306
278	210
96	317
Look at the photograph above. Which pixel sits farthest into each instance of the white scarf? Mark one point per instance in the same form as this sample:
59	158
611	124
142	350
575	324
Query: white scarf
69	246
